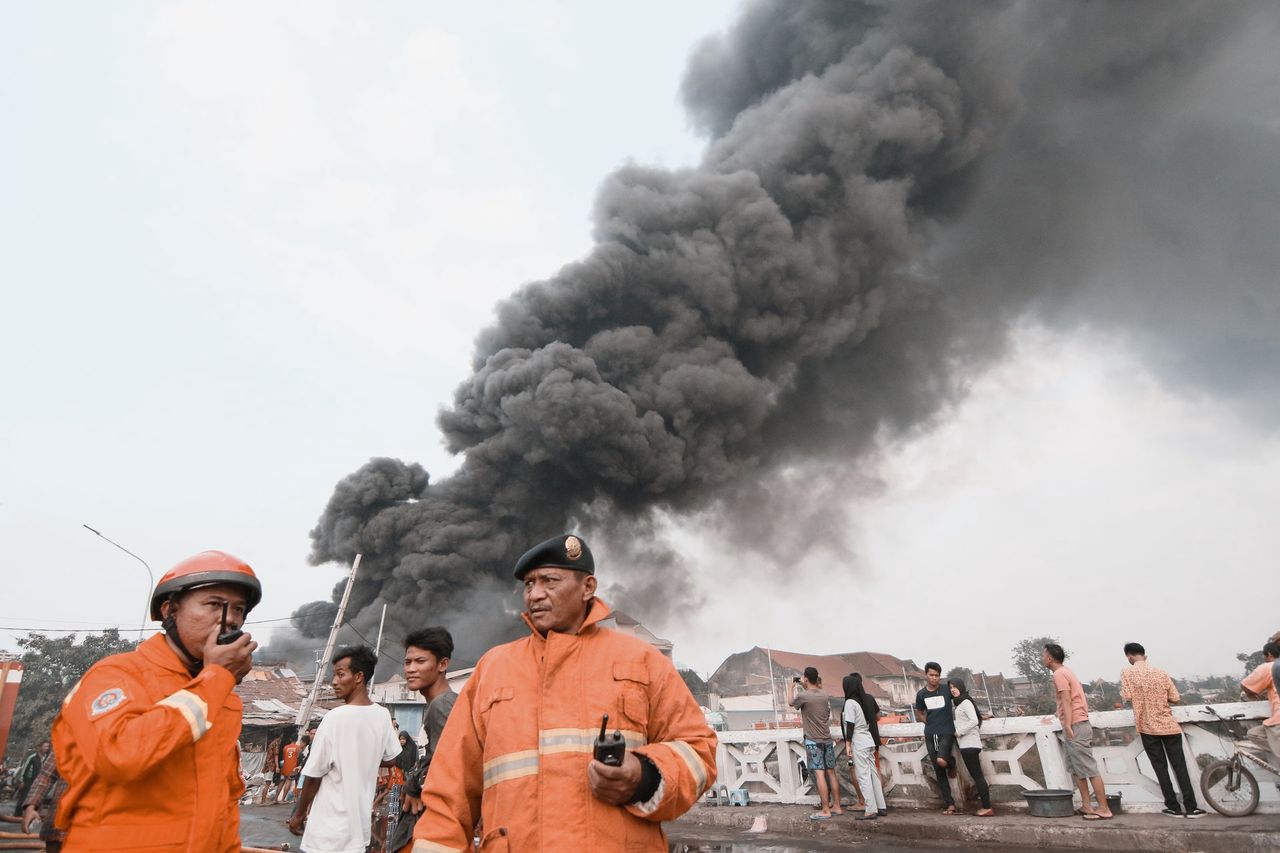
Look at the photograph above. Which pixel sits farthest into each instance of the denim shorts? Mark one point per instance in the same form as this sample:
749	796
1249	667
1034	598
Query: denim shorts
822	755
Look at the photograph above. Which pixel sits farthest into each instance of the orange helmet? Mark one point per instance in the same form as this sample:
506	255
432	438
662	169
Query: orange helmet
206	569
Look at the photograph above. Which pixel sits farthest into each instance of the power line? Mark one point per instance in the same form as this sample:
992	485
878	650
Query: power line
99	628
370	645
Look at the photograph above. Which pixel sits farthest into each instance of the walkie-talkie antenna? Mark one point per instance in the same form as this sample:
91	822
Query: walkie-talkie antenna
604	725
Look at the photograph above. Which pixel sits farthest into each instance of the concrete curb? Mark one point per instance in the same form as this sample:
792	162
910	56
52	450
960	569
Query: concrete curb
1127	832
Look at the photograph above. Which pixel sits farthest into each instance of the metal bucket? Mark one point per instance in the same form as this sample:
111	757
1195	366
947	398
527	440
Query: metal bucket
1113	802
1052	802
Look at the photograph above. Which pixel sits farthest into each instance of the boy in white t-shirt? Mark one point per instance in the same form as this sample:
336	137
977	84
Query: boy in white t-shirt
341	773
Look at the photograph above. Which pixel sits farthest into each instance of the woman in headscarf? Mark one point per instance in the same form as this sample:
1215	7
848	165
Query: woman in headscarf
408	754
862	745
968	721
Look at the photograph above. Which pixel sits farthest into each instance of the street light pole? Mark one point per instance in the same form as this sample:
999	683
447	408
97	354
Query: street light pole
151	578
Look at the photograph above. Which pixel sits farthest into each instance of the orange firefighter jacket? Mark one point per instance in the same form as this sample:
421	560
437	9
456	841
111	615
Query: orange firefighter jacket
515	750
150	756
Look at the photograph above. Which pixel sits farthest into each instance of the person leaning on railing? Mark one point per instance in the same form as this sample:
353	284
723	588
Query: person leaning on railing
1262	682
1150	690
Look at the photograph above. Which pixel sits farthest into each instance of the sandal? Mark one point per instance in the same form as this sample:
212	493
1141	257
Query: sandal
950	810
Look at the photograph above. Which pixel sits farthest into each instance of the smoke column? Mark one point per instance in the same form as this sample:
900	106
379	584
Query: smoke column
887	188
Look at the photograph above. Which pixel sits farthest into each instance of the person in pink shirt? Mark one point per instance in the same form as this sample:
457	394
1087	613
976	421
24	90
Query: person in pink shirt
1261	682
1077	733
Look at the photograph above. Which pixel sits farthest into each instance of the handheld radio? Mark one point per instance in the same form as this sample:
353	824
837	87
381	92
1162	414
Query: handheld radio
610	749
226	637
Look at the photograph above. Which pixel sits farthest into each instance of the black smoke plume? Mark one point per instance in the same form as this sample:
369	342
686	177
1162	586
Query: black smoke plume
887	189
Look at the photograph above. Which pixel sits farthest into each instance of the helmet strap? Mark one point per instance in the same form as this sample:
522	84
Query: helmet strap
170	625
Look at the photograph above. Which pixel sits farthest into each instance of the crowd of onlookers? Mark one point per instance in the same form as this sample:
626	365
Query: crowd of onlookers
953	721
336	760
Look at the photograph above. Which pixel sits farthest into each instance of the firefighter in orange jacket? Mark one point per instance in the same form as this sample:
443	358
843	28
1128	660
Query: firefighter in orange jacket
517	750
147	741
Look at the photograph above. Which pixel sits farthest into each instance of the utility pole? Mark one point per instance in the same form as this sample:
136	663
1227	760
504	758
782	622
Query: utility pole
304	713
773	697
991	708
377	649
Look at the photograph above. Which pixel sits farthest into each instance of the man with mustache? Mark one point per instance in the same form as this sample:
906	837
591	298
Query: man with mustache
517	752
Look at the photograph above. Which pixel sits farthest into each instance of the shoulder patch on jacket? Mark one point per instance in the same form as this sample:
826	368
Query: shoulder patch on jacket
107	702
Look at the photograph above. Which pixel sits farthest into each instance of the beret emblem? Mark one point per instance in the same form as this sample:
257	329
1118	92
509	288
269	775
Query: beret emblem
572	547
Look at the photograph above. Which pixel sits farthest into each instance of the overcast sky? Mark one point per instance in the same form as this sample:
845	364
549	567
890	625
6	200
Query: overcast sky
246	248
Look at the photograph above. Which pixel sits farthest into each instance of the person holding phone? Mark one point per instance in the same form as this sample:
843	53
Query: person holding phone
814	705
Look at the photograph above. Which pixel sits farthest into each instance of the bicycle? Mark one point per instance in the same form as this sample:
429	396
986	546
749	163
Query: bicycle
1227	784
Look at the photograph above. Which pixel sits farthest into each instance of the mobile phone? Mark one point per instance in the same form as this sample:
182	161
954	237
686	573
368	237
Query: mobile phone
226	637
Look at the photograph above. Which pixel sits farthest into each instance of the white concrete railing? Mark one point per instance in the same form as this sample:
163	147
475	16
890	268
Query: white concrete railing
1018	753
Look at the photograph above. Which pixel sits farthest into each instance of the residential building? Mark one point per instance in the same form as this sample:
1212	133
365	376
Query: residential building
623	623
892	681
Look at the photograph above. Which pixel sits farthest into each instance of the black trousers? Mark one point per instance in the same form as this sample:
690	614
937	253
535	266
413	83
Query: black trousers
941	745
1164	750
22	796
974	765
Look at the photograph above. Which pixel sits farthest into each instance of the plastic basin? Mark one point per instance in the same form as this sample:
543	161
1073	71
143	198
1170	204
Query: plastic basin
1051	802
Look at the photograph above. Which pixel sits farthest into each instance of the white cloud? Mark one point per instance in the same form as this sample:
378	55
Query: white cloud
238	70
424	93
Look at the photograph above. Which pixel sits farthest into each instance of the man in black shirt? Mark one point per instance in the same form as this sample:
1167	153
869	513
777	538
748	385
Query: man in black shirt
426	669
934	702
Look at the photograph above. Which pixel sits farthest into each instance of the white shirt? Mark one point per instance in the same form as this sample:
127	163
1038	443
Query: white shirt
855	718
350	744
967	723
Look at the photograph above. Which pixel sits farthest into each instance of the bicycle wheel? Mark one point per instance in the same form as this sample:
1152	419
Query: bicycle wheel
1230	788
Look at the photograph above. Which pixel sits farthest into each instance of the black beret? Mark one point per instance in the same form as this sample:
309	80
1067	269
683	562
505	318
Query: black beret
562	552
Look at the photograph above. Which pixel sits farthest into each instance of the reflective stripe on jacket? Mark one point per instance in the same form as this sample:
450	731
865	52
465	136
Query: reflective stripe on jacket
517	745
150	756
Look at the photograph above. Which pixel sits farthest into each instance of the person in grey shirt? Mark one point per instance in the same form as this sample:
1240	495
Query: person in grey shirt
814	705
426	669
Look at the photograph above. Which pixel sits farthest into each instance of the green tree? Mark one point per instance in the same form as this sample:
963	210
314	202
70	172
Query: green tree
1027	658
1251	660
1104	695
961	673
50	668
1042	701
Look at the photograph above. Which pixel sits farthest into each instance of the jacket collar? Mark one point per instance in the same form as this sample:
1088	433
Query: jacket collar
156	650
598	613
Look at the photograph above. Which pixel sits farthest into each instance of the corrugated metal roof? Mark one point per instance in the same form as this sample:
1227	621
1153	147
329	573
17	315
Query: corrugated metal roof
273	695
